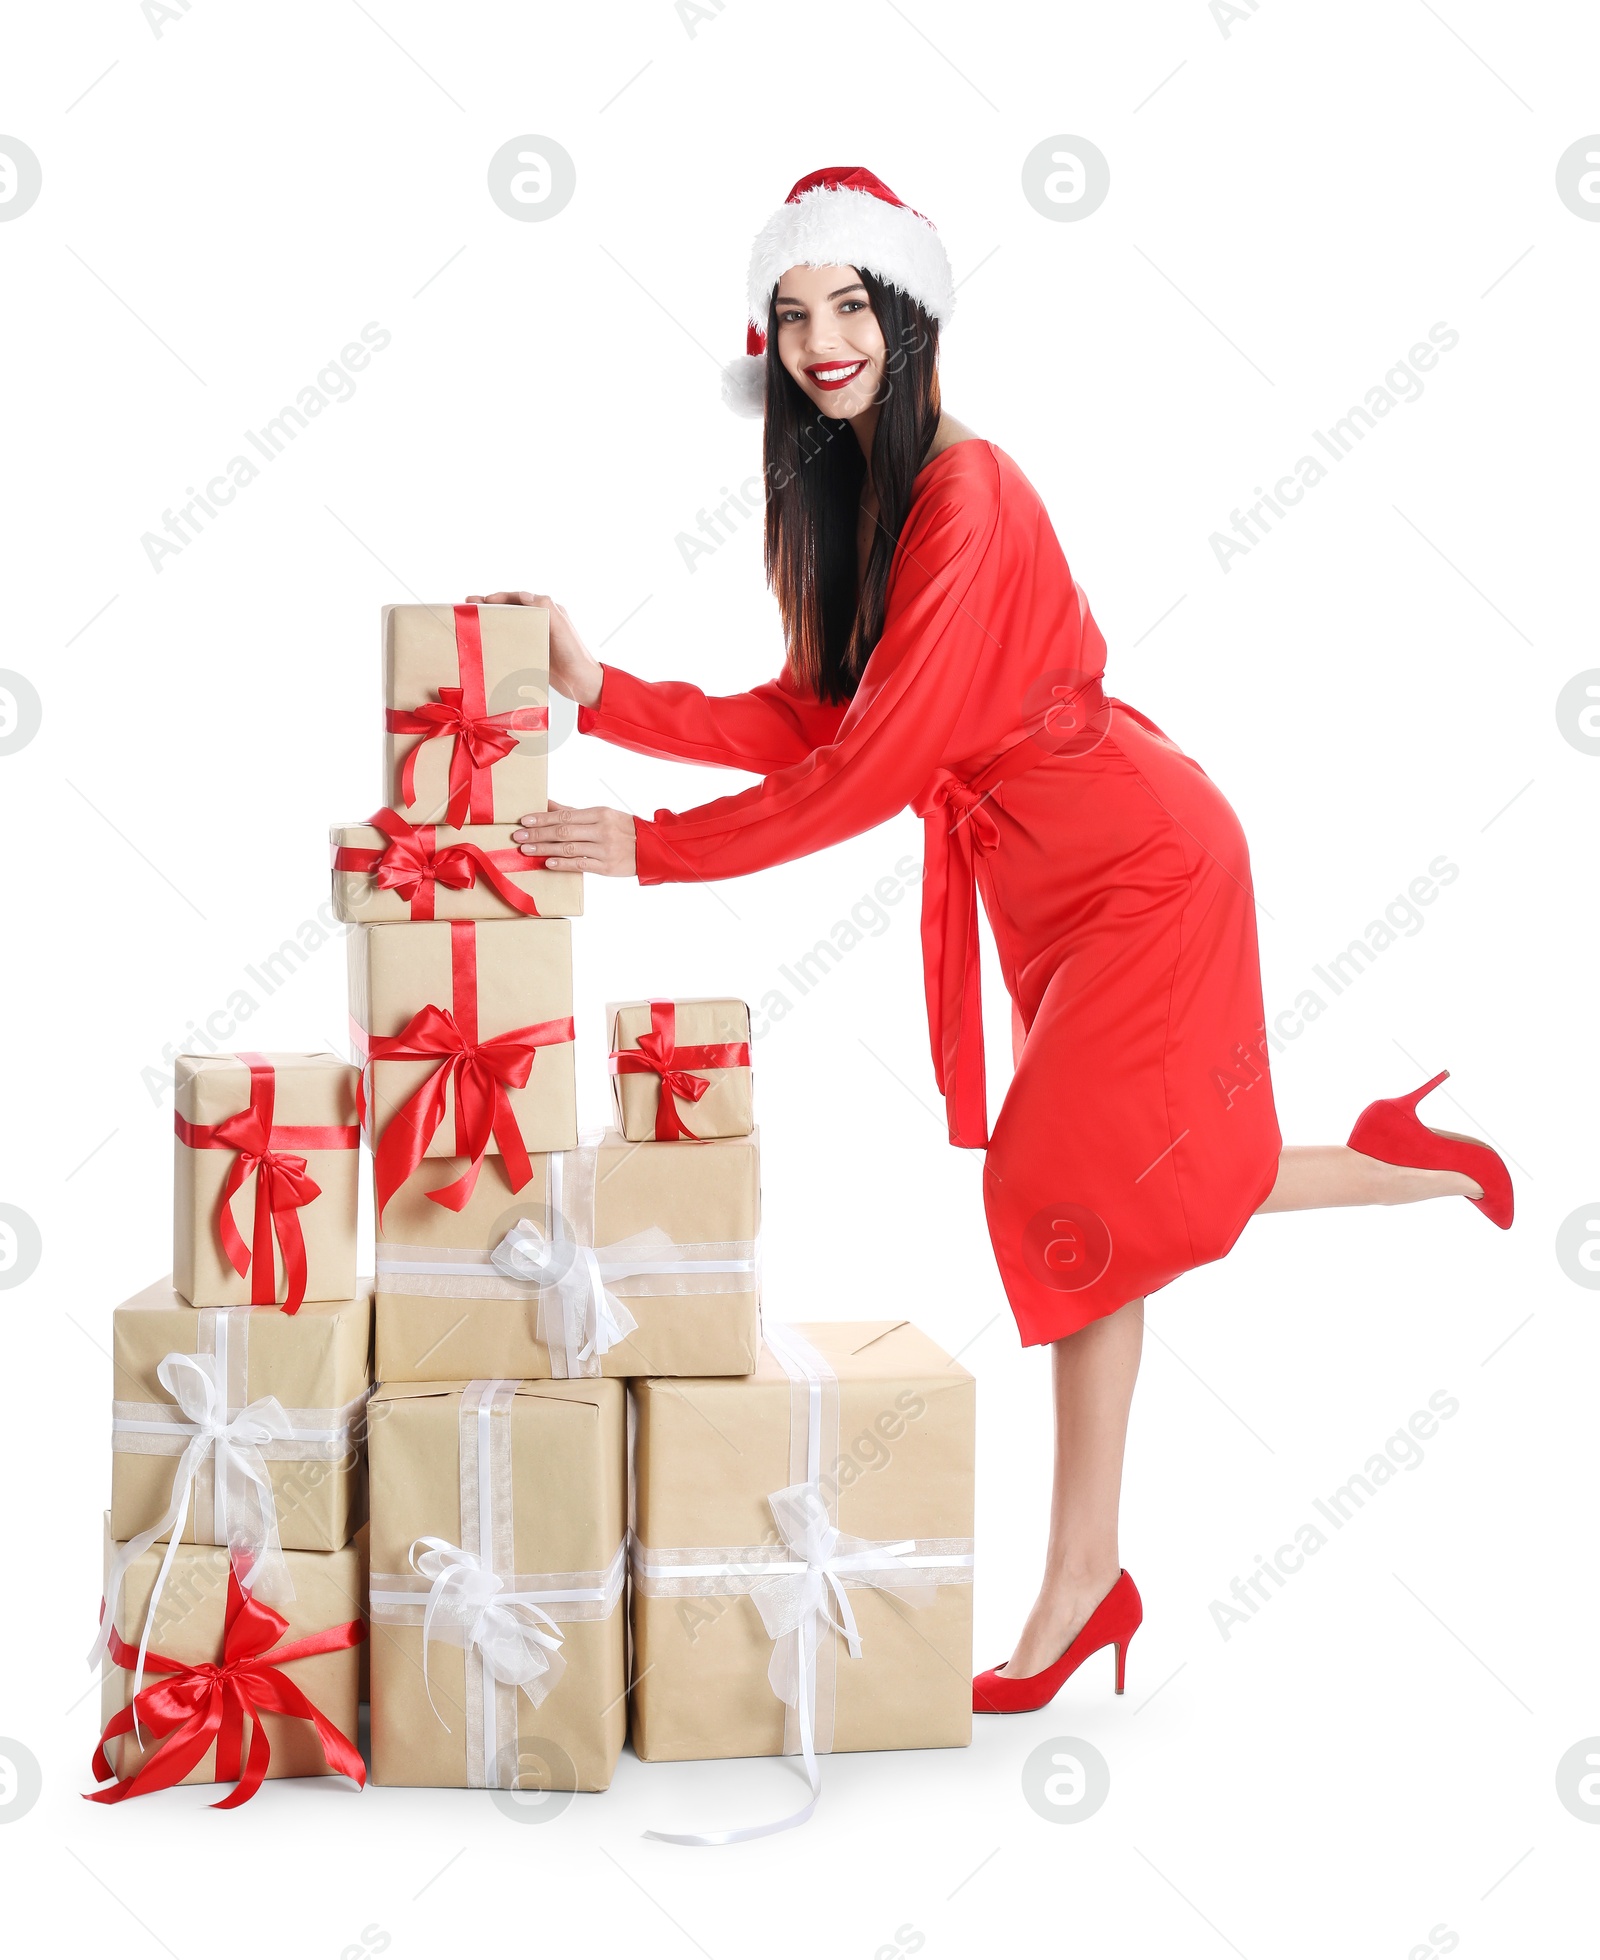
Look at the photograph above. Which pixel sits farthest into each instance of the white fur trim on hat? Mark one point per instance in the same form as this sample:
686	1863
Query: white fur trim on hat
744	382
850	227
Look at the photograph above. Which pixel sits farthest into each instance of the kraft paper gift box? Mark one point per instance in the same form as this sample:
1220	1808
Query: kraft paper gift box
363	1546
499	1511
297	1383
265	1174
466	712
677	1233
188	1627
864	1428
465	1029
680	1069
390	870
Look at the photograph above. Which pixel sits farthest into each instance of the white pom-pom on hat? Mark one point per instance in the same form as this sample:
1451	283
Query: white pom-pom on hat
744	379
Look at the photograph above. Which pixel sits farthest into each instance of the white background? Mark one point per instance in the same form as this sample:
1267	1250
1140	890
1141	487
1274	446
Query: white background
1293	204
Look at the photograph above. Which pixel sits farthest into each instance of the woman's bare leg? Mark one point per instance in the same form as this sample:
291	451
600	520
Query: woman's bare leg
1312	1176
1093	1372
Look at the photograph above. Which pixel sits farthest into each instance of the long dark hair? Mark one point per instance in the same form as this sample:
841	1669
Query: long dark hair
815	473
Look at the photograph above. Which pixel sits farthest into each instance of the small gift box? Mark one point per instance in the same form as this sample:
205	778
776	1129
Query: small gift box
681	1069
617	1259
238	1422
464	1030
802	1563
388	870
265	1176
466	712
499	1512
227	1686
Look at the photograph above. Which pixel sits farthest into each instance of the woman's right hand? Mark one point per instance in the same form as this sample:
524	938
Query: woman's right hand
574	671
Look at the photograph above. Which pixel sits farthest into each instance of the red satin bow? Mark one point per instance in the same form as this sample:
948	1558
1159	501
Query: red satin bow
267	1151
657	1053
412	863
207	1703
959	832
460	714
481	1072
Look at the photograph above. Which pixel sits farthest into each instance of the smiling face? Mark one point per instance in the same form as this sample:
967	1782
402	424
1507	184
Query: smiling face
829	338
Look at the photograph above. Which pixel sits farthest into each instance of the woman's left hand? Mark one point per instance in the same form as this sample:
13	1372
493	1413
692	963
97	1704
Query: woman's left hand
598	840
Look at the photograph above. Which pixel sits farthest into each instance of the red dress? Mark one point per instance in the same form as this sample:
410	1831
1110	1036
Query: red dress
1138	1133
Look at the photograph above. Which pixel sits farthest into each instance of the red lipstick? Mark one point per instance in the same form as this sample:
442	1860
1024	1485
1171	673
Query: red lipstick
834	374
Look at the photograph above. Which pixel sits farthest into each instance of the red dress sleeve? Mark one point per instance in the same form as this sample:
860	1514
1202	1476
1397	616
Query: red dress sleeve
773	725
898	729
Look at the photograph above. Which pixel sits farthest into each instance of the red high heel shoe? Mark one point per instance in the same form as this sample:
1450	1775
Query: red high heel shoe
1112	1623
1392	1132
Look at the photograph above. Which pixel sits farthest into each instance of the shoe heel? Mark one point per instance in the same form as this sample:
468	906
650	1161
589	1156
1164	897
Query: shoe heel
1410	1102
1122	1664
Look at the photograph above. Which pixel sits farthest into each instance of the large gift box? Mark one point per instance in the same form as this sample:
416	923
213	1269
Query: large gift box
617	1259
465	1032
845	1459
466	700
499	1514
203	1620
680	1069
222	1413
266	1172
388	870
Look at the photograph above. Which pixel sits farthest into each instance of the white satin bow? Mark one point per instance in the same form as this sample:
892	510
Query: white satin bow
245	1513
469	1607
807	1602
577	1315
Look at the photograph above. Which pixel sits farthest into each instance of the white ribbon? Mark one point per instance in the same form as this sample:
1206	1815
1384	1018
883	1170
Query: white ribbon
804	1599
245	1514
581	1314
808	1593
468	1605
506	1625
579	1317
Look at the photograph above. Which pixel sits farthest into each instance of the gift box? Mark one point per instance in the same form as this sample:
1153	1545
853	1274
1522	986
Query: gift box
680	1069
203	1620
845	1458
265	1175
499	1514
289	1389
388	870
362	1542
465	1033
543	1282
466	712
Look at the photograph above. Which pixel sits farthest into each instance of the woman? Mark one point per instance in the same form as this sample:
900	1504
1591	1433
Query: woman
941	656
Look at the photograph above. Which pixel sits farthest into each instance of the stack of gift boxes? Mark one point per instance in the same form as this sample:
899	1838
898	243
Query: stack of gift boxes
768	1552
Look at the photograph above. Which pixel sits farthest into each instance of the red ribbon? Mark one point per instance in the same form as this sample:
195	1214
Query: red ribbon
460	715
482	1072
959	833
198	1706
657	1053
268	1151
412	864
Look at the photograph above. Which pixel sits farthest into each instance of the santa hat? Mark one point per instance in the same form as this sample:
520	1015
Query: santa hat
840	216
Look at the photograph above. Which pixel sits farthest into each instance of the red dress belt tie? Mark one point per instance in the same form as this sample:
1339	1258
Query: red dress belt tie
959	832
